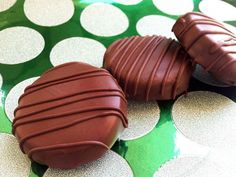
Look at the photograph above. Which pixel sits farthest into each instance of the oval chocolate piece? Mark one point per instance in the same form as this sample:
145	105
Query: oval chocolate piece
150	67
210	44
70	116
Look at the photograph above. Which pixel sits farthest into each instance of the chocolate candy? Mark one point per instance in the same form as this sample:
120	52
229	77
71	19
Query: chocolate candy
210	44
149	68
70	116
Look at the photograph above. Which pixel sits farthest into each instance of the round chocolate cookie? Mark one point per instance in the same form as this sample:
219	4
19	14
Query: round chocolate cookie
210	44
150	67
70	116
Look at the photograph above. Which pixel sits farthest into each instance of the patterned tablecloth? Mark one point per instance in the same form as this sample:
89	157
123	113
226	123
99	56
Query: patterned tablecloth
193	136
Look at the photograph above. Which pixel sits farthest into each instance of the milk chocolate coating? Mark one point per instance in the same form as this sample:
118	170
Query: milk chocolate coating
150	67
210	44
70	116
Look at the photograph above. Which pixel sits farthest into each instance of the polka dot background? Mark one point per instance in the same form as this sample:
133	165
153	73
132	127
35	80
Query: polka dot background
178	7
78	49
12	98
36	35
6	4
128	2
143	117
19	44
192	167
0	80
209	7
104	20
109	165
13	162
160	26
49	13
200	116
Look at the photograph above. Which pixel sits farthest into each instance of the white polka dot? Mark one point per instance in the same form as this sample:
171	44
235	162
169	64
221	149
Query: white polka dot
19	44
142	117
191	167
218	9
49	12
226	158
109	165
78	49
155	25
128	2
13	162
12	98
6	4
104	20
176	7
185	146
230	27
205	77
207	118
1	81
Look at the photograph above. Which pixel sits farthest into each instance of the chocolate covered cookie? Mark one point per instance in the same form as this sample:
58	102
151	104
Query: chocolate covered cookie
210	44
70	116
150	67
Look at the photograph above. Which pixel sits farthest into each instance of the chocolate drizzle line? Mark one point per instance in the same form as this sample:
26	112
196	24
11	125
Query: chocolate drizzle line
129	43
156	66
135	61
53	116
180	71
139	43
72	95
216	48
152	49
206	33
61	81
203	22
72	123
169	70
44	118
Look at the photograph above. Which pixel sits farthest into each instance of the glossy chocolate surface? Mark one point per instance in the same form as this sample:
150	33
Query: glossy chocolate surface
70	116
210	44
150	67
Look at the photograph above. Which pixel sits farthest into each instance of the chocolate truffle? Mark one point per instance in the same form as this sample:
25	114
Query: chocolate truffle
150	67
70	116
210	44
